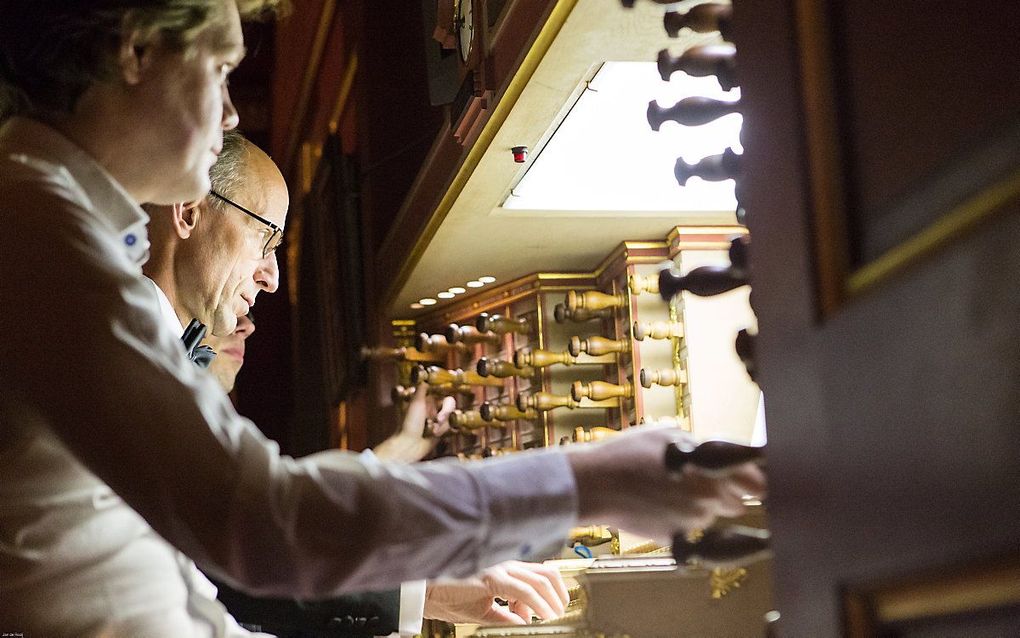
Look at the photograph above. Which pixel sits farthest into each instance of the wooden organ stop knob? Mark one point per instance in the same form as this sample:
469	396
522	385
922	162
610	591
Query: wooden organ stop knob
470	335
719	60
498	368
706	281
690	111
600	390
596	346
593	300
505	412
434	375
596	433
543	401
383	354
713	168
643	283
562	314
526	357
467	420
704	18
502	325
405	393
664	377
437	344
657	330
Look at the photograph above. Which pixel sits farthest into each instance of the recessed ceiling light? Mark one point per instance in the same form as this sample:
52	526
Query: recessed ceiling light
427	301
445	295
474	283
416	306
457	290
487	279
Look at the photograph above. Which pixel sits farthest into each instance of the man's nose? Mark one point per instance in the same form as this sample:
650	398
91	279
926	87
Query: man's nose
245	326
267	276
230	117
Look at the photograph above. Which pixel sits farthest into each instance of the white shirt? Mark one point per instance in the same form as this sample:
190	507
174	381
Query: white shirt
95	391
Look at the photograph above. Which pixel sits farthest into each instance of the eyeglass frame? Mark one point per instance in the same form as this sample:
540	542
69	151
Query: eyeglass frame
277	231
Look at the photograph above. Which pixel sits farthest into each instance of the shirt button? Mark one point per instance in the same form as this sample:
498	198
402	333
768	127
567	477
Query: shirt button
130	239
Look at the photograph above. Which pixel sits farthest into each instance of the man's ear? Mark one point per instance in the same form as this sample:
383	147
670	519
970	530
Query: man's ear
135	55
185	218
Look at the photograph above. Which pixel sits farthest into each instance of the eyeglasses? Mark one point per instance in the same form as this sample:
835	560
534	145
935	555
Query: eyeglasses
276	234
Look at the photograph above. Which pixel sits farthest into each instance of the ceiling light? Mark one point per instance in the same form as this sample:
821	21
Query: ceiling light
427	301
474	283
487	279
457	290
445	295
416	306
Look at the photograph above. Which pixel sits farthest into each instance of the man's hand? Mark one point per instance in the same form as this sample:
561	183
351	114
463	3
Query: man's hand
623	482
410	444
530	588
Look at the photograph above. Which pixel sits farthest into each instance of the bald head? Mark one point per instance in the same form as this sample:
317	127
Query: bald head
211	257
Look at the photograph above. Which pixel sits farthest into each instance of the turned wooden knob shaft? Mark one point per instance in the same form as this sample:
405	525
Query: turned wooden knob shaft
487	367
665	377
643	283
596	433
467	420
434	375
726	545
719	60
502	325
543	401
690	111
562	314
593	300
437	344
600	390
706	281
505	412
402	393
383	354
597	346
526	357
470	335
703	18
658	330
713	168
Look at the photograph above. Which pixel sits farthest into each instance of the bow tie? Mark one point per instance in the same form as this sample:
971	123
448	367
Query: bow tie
202	356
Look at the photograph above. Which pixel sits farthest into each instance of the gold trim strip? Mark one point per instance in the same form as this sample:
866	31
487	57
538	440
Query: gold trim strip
948	227
529	65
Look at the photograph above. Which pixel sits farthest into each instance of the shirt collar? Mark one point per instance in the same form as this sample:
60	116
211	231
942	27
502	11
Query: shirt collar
34	143
166	310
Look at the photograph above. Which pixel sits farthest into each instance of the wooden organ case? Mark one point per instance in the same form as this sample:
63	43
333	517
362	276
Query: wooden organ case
616	319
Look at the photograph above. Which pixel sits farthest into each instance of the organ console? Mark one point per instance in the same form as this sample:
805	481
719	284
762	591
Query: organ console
502	325
658	329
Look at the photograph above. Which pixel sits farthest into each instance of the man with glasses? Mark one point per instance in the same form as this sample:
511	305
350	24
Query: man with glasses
209	259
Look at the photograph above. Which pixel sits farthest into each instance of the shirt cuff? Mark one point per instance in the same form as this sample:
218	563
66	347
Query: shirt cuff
412	607
542	514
